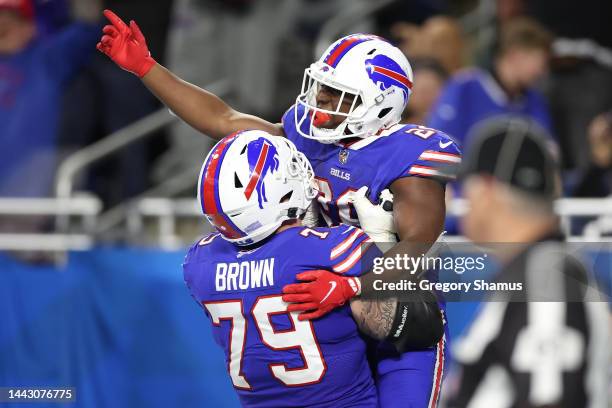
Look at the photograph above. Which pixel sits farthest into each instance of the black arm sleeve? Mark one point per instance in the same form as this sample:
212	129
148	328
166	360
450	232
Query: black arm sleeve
418	322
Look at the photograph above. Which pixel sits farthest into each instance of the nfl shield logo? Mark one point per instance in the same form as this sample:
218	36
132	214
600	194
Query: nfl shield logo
343	156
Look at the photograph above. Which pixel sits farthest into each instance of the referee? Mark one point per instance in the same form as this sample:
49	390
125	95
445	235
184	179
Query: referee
548	346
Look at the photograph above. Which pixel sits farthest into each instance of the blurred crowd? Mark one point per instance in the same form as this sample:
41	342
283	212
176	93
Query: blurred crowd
471	59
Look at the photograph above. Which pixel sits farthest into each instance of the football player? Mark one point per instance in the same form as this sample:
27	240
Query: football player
346	122
254	188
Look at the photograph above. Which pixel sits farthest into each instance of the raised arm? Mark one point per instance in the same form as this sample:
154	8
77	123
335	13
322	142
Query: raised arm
201	109
127	47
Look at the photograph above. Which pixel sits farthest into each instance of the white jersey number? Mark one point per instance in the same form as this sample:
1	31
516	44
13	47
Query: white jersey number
301	337
343	208
422	132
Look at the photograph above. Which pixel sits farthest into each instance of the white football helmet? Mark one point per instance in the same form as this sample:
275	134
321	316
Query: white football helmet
251	182
366	71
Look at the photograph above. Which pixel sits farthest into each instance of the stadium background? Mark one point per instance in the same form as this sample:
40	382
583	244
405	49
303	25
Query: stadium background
97	208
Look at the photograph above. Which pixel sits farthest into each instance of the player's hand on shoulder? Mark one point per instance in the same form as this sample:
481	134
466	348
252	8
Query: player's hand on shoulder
319	293
376	220
125	45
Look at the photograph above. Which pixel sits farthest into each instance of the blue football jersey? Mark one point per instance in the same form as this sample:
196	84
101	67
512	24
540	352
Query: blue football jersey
376	162
414	378
275	360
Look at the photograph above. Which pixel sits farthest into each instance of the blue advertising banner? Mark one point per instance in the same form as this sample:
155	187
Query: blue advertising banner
117	325
118	328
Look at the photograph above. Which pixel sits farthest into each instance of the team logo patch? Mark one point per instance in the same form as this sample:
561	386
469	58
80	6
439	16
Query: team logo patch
343	156
263	160
385	72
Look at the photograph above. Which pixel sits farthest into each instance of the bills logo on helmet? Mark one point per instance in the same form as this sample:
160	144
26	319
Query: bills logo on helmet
385	72
263	159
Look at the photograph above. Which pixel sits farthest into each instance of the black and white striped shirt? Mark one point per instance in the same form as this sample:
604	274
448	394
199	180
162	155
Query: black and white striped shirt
549	349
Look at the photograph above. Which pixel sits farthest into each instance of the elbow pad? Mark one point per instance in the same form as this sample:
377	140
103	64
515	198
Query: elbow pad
418	323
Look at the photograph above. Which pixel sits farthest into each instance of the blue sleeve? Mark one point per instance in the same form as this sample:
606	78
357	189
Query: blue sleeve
191	253
441	153
70	49
346	250
200	252
448	114
188	267
422	152
290	128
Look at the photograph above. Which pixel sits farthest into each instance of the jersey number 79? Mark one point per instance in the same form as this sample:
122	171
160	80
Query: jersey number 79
300	337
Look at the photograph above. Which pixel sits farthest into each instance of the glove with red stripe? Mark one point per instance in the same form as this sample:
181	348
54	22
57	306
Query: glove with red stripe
323	292
126	45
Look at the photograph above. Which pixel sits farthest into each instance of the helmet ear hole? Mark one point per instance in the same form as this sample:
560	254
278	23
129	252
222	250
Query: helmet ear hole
237	182
286	197
383	112
358	102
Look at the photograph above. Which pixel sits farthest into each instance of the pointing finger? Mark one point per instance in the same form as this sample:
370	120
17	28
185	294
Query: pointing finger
116	21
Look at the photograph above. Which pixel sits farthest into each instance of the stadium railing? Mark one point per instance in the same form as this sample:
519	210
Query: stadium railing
72	167
166	213
156	221
79	237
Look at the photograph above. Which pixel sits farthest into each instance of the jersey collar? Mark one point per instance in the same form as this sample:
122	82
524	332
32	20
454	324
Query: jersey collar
360	144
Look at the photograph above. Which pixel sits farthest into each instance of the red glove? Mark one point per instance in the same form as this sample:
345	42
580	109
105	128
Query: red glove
324	292
126	45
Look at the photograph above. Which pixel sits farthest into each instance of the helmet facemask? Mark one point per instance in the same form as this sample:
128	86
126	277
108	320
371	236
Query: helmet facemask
300	170
373	81
316	81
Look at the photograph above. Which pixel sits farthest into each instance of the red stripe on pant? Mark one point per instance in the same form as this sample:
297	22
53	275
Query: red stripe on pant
433	402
